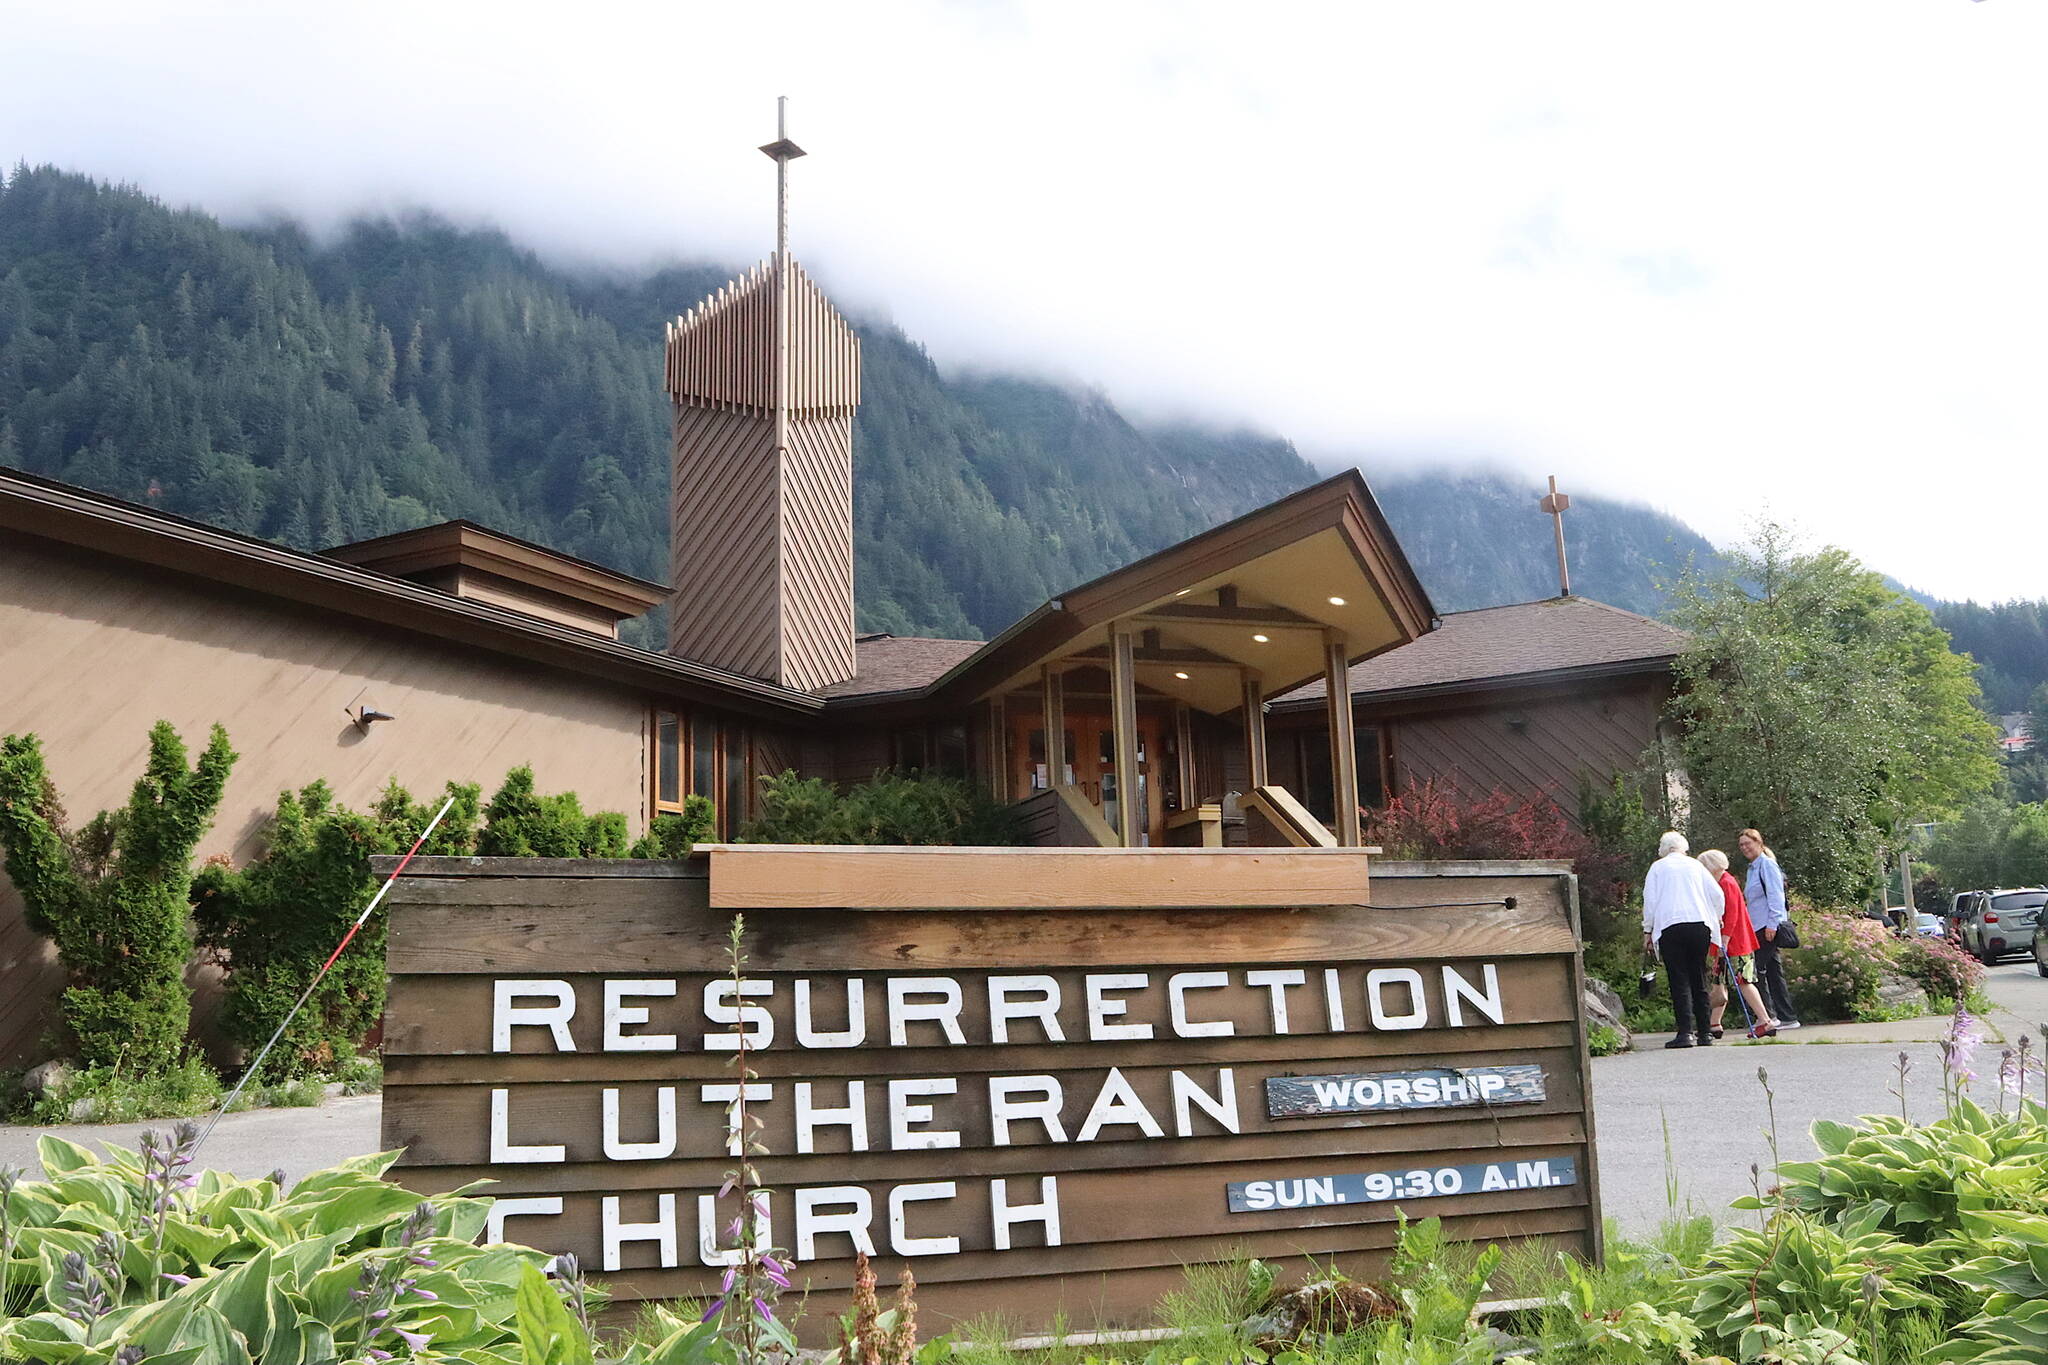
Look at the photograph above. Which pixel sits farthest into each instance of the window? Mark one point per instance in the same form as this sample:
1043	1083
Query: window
668	761
733	809
696	755
704	757
1367	752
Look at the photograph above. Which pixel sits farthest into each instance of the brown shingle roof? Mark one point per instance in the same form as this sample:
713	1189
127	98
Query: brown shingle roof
1498	644
898	663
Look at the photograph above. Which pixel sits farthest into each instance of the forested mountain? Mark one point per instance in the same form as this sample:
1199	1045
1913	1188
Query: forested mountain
316	393
2009	640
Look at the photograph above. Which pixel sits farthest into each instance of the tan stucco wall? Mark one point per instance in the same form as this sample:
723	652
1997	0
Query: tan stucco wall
94	650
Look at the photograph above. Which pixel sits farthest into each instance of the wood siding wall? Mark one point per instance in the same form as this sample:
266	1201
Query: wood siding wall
1533	741
1541	743
93	652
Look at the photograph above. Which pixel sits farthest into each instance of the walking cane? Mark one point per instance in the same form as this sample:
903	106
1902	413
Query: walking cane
1735	989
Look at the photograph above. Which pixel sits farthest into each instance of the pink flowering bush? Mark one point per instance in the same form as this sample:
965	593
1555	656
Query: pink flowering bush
1938	966
1837	966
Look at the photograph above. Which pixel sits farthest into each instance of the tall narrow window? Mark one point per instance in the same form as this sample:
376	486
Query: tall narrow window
668	761
734	808
703	756
1372	778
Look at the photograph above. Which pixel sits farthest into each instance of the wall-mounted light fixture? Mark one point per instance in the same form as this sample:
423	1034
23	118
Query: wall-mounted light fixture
366	715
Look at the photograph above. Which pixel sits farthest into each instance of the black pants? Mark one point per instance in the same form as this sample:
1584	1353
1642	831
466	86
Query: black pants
1684	950
1770	981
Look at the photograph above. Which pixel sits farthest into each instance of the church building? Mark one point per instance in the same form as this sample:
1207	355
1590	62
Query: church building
1256	682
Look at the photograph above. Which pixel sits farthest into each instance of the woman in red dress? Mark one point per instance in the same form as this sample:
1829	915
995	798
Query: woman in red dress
1741	940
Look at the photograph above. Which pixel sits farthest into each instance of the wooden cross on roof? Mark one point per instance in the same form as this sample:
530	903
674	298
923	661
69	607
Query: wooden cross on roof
1554	504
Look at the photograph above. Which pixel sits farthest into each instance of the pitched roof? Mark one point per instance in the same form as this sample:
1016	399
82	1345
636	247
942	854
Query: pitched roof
37	506
1498	646
899	663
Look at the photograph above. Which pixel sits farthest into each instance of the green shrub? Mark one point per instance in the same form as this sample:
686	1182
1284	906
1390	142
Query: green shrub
272	923
113	894
1603	1041
890	808
672	835
520	822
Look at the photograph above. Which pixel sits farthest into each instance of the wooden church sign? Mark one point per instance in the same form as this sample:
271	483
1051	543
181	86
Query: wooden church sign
1046	1078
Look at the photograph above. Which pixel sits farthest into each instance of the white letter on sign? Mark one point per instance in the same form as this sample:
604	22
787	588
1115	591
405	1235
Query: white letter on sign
1222	1106
854	1222
1457	990
662	1230
1102	1009
944	1010
1378	979
853	1118
555	1018
902	1113
900	1240
1118	1106
501	1136
1004	1111
618	1014
1008	1215
1277	981
729	1096
718	1008
1177	987
664	1144
856	1031
531	1206
1045	1009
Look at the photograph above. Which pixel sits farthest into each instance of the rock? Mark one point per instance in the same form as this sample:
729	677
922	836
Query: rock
1603	1007
85	1111
45	1077
1325	1308
1894	991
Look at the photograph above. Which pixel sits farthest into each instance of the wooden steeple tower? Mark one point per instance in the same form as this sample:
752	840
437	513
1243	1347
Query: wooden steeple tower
764	376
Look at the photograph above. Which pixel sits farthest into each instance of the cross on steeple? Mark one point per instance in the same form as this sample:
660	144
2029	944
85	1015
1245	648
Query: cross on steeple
782	151
1554	504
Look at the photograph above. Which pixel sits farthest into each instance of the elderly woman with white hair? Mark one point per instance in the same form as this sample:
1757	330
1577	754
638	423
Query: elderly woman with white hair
1681	921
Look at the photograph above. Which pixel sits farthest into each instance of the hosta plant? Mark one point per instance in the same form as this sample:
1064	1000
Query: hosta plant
132	1257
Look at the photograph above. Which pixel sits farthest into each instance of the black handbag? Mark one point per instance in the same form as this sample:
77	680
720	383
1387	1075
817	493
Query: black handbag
1788	934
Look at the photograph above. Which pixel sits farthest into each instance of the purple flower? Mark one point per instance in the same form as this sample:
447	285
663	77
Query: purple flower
1964	1035
429	1295
774	1272
177	1279
416	1340
731	1183
375	1354
761	1307
712	1311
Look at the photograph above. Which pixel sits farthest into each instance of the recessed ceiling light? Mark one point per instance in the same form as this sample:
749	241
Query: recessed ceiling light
1178	674
1336	601
1183	592
1262	639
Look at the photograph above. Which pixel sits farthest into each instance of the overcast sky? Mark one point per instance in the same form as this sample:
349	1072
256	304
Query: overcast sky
1721	258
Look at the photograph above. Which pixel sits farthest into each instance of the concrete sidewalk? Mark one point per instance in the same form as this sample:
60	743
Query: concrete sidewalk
252	1143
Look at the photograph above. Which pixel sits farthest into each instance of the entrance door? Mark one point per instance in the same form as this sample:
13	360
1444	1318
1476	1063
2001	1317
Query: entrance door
1091	765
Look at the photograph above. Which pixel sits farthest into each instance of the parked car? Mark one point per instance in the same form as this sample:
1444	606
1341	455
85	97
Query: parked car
2041	954
1929	926
1995	924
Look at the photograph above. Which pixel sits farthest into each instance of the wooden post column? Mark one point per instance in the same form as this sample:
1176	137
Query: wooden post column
1343	738
1055	713
1123	708
1254	727
1184	753
998	751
